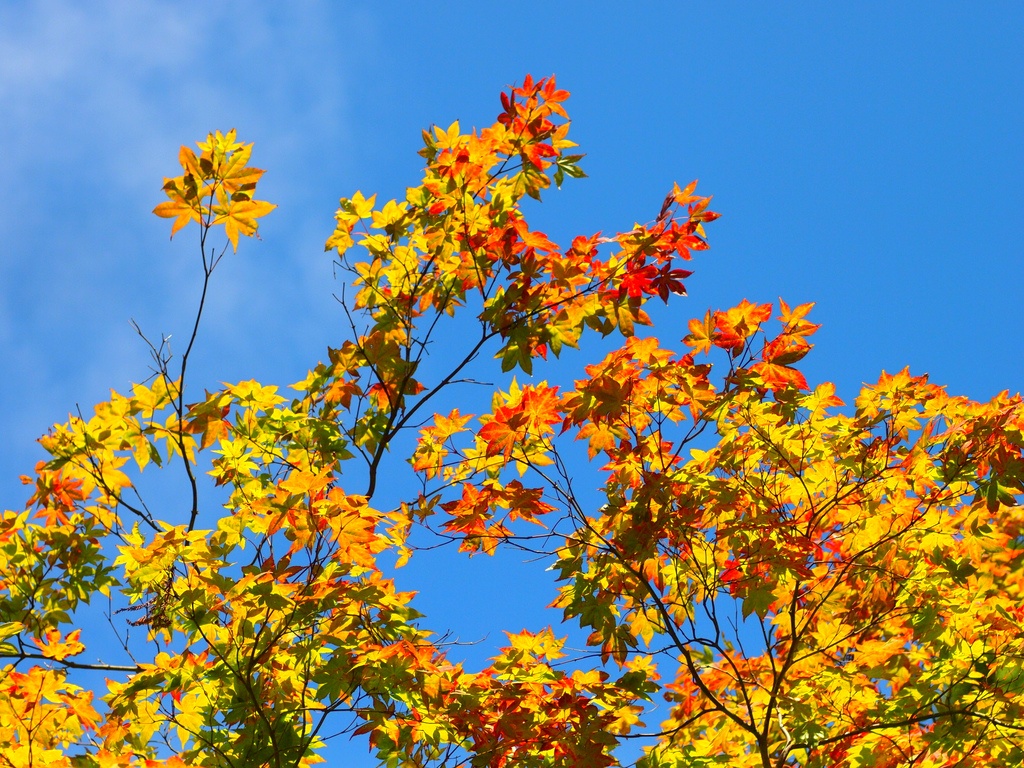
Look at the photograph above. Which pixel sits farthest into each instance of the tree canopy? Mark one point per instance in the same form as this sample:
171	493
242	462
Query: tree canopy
770	576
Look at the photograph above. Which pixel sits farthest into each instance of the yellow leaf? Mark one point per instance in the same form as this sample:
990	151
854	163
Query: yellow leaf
240	218
180	211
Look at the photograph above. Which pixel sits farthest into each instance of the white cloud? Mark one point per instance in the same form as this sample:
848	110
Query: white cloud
97	97
120	78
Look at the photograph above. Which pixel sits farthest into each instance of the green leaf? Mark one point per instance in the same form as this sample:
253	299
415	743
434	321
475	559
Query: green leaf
758	600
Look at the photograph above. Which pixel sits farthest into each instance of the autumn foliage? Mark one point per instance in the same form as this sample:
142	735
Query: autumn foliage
768	577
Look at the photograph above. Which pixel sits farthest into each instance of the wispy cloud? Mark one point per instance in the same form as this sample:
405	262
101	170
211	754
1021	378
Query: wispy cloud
97	99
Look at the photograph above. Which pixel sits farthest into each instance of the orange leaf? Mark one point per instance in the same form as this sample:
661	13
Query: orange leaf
54	648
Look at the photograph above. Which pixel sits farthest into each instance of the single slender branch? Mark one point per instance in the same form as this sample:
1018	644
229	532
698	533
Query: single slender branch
22	656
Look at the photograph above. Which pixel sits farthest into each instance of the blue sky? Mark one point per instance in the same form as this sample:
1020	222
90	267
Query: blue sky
867	158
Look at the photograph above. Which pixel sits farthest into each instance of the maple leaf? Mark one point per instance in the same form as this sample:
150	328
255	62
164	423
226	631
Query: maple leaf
669	281
736	325
525	503
823	396
785	349
178	209
239	217
56	646
209	419
601	436
703	333
638	280
793	319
